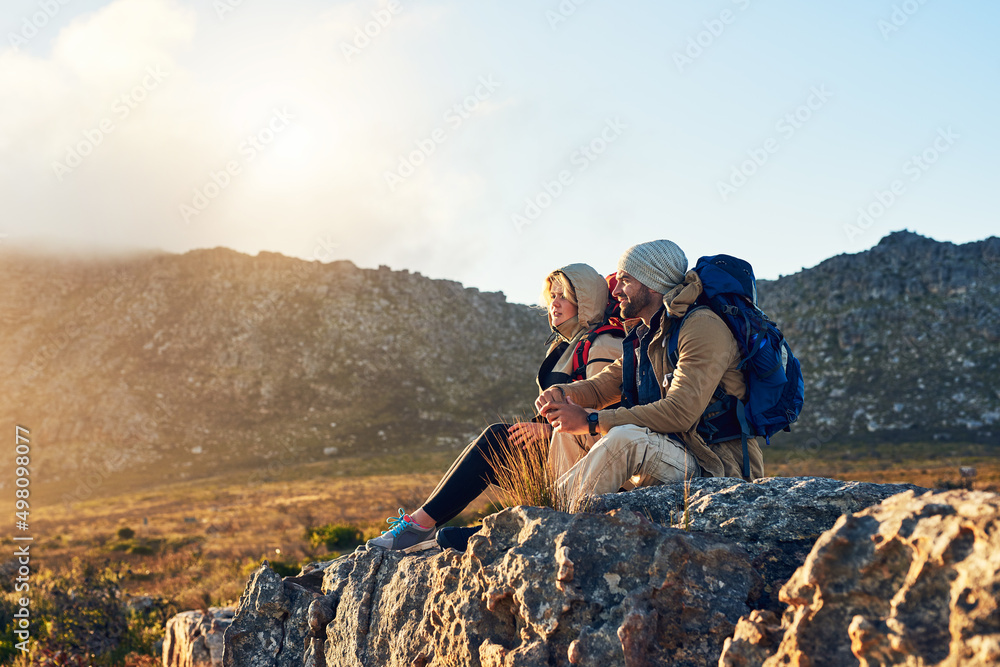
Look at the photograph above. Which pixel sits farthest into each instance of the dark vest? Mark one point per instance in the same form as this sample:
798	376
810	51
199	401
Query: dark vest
640	385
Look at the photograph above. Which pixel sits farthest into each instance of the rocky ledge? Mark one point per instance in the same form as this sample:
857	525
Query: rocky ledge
802	571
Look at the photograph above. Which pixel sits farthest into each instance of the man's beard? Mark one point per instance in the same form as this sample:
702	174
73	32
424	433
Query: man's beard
636	304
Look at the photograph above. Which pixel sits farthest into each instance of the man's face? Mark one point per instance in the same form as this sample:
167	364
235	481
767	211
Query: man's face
633	297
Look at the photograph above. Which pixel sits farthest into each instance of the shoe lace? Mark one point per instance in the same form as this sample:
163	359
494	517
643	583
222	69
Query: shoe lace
397	523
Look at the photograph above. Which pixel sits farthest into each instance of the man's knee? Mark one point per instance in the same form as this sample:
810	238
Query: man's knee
621	437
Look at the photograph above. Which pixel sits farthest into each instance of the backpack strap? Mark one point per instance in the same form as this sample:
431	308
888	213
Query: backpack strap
741	415
721	401
581	355
675	333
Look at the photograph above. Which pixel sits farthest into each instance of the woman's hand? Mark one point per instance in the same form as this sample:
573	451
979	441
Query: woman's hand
525	433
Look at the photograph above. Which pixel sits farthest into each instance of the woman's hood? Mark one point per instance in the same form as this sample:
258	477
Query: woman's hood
591	293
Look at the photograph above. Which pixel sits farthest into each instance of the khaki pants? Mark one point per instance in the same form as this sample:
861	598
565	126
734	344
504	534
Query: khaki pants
566	450
628	453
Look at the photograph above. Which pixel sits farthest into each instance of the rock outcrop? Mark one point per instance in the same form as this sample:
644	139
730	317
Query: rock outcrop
536	587
776	520
912	581
539	587
194	638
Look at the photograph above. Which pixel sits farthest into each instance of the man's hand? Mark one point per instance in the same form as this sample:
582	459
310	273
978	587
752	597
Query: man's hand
567	417
526	433
553	395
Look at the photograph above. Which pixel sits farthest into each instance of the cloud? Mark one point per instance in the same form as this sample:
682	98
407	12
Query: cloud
149	124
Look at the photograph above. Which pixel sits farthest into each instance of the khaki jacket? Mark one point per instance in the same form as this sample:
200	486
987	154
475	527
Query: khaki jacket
707	358
592	297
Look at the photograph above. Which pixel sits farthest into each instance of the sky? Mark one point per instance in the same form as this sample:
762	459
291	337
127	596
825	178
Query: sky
491	142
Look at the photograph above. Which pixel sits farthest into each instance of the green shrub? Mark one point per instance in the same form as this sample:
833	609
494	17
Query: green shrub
7	636
334	537
285	569
125	533
83	611
141	549
82	618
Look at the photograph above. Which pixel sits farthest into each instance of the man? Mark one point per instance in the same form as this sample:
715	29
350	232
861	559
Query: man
652	438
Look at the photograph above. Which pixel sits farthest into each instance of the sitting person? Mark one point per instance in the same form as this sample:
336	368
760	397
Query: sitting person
577	300
652	437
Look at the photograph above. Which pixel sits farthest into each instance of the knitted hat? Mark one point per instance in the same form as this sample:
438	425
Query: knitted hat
659	265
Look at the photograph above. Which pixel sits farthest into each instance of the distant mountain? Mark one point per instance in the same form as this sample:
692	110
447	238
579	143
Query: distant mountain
900	342
160	367
178	366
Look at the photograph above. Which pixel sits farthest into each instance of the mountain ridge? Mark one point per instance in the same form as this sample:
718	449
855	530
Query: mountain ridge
159	365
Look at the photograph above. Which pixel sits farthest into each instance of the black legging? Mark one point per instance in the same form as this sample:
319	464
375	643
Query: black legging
468	476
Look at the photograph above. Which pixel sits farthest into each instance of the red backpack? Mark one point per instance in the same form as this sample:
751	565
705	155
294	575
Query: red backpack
612	325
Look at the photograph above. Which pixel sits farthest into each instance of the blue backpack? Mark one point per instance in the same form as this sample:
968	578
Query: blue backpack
772	374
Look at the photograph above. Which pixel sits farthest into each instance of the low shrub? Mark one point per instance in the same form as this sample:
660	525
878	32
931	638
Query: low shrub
334	537
83	618
285	568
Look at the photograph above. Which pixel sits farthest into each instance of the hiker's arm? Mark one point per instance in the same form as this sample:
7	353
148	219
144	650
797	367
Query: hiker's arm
706	350
596	392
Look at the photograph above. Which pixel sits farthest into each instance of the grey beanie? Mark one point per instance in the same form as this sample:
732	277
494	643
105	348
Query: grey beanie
659	265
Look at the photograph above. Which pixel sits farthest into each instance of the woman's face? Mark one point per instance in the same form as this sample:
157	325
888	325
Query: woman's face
560	308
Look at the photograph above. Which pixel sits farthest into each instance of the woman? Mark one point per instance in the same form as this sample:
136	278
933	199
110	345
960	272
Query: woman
577	300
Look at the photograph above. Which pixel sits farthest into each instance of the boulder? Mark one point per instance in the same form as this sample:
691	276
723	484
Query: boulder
271	625
912	581
775	519
194	638
536	587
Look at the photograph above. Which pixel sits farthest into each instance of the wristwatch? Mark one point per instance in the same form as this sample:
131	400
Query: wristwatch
593	421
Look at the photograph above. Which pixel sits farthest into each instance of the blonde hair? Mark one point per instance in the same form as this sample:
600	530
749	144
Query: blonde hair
558	278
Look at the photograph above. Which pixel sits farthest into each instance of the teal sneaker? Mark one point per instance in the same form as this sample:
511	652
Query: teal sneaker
405	536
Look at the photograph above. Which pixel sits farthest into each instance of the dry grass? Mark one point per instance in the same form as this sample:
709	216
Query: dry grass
524	478
195	544
930	472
